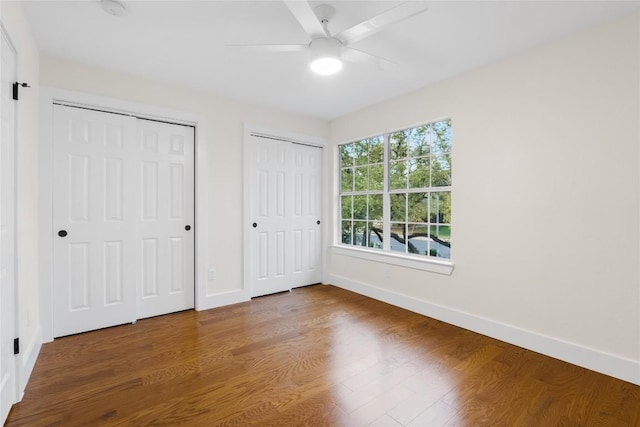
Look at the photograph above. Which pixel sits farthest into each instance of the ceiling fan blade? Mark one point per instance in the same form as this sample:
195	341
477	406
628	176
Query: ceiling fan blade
307	18
355	55
270	47
380	22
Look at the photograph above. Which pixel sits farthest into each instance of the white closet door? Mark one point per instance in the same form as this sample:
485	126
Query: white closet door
166	199
307	226
7	230
94	218
284	194
123	196
271	213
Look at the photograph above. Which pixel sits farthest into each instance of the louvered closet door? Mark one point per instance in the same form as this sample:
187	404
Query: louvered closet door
94	193
166	235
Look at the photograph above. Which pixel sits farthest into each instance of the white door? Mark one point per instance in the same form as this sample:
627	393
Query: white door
94	217
283	211
166	242
271	204
8	381
307	196
123	196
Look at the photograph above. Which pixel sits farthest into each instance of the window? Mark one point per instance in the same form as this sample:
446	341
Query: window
395	191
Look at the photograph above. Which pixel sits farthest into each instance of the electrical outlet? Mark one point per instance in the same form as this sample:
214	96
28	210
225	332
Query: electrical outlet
211	276
387	271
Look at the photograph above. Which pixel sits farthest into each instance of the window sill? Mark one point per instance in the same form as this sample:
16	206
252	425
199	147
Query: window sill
424	264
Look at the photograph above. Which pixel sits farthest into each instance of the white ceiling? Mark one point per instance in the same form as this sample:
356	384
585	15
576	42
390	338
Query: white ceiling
185	42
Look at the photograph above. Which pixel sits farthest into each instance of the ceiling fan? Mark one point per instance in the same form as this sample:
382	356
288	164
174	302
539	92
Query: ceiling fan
328	50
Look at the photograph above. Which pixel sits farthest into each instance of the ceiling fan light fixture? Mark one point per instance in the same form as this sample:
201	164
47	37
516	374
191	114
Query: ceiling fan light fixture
326	56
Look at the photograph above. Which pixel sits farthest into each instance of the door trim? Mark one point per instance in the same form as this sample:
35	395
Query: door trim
265	132
49	96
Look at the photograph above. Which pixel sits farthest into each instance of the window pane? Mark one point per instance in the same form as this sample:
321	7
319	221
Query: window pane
360	207
441	241
441	137
361	152
441	231
419	172
375	240
418	239
346	180
376	150
361	178
441	170
398	145
418	143
376	234
397	241
375	207
398	207
346	232
345	205
418	207
368	233
440	208
376	177
359	233
346	158
397	175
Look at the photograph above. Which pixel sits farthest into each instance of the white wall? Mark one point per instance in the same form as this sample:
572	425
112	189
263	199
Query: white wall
545	234
224	120
19	31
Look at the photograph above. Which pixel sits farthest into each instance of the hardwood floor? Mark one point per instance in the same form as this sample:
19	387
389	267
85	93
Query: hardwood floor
317	356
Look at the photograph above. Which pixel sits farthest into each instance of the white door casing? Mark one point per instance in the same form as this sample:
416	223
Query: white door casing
123	193
94	215
283	200
8	372
166	242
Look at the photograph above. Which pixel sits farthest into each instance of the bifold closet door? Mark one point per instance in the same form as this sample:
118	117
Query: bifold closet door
123	216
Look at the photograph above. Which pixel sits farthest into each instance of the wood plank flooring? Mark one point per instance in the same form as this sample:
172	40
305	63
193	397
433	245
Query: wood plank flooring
317	356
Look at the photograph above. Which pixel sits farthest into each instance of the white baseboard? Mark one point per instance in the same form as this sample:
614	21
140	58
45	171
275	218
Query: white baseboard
28	360
222	299
608	364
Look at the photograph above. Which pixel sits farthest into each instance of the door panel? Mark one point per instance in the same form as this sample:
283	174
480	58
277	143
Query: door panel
307	170
113	272
93	193
270	207
167	194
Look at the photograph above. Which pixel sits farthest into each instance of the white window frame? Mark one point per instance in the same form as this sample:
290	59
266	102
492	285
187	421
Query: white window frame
384	255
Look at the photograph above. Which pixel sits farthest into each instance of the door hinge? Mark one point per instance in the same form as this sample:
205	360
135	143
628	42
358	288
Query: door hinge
16	345
16	87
